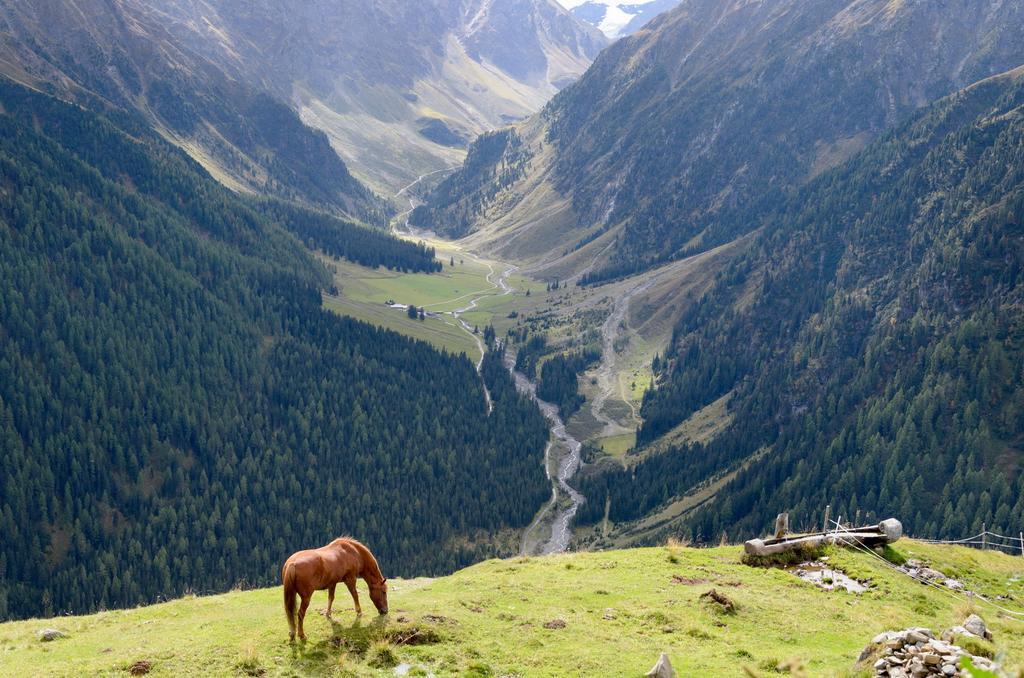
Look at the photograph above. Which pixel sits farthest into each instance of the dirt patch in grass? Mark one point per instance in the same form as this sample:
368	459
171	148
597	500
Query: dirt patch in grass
414	635
439	619
140	668
720	600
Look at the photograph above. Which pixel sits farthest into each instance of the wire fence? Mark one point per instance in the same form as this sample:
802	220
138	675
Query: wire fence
986	539
843	532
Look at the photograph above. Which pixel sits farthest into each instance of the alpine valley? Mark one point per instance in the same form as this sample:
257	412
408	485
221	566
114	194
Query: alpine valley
500	280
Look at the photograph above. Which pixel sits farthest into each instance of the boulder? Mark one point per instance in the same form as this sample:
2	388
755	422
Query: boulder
976	625
662	669
930	574
48	635
915	636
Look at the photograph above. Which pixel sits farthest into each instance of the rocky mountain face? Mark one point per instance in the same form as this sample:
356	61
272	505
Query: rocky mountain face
123	55
673	135
616	18
399	87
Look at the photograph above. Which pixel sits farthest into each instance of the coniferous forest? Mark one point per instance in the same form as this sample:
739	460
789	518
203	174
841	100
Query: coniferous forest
559	379
178	413
871	338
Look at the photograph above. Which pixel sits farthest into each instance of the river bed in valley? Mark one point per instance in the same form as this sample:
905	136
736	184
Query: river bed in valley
551	529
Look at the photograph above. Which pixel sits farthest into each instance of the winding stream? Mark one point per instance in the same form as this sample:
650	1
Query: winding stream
563	450
565	500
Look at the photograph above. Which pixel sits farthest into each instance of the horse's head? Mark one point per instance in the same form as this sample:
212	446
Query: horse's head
379	596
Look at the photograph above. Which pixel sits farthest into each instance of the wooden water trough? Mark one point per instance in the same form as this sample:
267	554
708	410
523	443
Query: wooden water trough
885	532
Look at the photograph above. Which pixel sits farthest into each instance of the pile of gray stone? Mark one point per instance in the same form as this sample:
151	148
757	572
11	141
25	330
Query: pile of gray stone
916	652
921	571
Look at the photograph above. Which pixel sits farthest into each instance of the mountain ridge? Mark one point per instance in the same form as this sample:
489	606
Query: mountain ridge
400	88
615	18
104	54
672	135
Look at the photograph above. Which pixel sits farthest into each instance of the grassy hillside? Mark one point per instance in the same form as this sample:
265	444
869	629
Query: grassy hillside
620	610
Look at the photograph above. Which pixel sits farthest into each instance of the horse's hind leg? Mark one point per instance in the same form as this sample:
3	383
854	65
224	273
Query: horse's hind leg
306	597
350	582
291	626
330	600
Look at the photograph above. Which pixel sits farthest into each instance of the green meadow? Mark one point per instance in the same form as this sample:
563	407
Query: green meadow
364	294
586	614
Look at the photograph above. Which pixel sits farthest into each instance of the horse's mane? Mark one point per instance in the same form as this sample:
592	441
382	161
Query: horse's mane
348	537
362	547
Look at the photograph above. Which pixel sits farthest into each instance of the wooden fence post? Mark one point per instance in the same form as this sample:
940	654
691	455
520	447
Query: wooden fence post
782	525
984	537
1022	543
824	526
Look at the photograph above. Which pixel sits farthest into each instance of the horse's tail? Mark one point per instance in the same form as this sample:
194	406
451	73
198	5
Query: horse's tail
288	580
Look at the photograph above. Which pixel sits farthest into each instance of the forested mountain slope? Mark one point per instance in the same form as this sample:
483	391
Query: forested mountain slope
122	54
871	338
178	412
676	133
400	87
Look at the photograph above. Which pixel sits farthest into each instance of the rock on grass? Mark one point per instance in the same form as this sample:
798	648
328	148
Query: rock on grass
49	635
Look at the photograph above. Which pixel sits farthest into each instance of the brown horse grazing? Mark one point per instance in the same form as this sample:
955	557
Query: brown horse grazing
318	569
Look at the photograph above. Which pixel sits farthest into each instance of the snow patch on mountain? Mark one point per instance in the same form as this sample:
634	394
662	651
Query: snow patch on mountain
616	18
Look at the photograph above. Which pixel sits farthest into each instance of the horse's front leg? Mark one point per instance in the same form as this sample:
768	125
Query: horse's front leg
350	582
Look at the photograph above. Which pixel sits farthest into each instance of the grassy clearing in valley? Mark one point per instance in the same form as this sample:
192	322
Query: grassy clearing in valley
617	446
700	427
437	291
443	333
364	293
600	614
